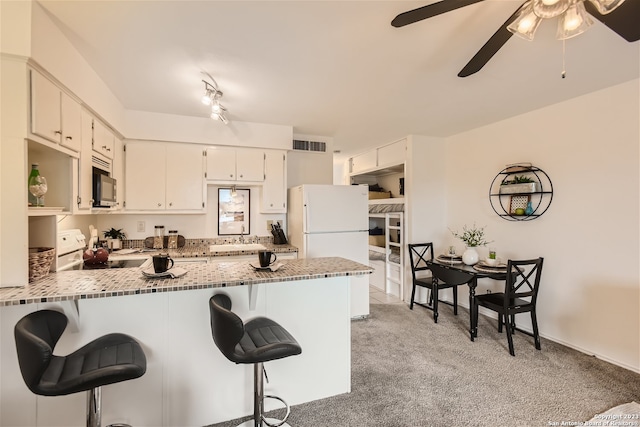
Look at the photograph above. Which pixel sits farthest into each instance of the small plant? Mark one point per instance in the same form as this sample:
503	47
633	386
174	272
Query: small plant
471	237
522	179
115	234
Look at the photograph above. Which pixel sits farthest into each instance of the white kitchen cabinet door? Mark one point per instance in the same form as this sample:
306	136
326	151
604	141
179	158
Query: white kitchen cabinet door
85	167
71	116
364	161
249	164
103	139
185	177
145	175
274	189
45	108
221	164
118	171
392	154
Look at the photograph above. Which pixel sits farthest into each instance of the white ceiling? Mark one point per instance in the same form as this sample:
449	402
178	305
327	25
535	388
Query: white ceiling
336	68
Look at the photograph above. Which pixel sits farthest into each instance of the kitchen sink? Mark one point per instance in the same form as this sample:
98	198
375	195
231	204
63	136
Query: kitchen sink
236	247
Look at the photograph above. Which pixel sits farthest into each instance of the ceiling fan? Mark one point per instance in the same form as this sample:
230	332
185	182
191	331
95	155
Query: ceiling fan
621	16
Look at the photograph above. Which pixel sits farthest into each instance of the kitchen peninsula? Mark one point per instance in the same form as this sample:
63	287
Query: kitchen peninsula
188	381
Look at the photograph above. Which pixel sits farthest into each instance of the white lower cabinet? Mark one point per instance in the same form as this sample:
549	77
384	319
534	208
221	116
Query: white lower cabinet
164	176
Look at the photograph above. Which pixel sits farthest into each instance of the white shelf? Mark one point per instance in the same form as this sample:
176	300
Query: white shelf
390	201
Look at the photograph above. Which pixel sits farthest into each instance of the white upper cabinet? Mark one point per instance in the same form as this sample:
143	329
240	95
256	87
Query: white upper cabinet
274	188
392	154
85	168
163	176
185	177
118	171
363	162
385	156
103	139
55	116
221	164
235	164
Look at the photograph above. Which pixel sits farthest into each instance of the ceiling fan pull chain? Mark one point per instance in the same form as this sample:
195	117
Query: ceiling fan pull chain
564	72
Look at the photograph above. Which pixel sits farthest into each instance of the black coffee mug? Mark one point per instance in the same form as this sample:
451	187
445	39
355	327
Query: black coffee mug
162	263
265	258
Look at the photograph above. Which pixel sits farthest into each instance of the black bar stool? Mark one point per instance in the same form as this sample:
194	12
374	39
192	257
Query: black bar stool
106	360
259	340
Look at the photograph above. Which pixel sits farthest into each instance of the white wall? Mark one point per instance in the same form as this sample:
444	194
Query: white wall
203	130
310	167
589	146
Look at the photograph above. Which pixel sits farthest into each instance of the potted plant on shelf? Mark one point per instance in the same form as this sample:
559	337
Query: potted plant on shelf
517	185
114	238
472	238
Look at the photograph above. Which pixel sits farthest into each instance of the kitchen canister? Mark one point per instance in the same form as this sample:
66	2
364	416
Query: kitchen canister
158	237
173	239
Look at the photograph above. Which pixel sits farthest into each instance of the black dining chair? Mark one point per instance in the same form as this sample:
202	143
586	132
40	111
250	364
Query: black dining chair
519	296
421	256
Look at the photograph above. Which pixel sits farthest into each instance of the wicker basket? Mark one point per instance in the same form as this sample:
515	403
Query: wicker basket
40	260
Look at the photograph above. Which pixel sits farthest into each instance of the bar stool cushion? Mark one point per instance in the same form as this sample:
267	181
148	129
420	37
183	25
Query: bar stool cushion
106	360
259	340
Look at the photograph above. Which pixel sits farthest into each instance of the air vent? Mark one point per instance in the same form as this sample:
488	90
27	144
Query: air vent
316	146
100	163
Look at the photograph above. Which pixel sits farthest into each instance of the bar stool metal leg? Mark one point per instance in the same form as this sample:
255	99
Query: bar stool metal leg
94	410
259	420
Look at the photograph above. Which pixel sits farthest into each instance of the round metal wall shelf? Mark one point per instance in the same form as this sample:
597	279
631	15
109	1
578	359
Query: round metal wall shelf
505	203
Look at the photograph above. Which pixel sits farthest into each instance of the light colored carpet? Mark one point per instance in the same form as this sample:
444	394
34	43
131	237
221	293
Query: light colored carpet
408	371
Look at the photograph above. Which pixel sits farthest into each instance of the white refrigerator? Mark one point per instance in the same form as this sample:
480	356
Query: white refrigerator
333	221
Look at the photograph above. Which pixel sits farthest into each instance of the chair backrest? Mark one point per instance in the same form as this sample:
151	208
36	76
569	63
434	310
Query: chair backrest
523	279
36	336
226	327
452	277
419	254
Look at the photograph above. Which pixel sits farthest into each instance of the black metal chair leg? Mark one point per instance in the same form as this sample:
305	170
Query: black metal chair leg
434	293
534	323
510	339
455	300
413	295
500	322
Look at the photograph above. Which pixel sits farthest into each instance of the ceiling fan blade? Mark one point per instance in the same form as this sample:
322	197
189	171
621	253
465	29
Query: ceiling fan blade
429	11
623	20
490	48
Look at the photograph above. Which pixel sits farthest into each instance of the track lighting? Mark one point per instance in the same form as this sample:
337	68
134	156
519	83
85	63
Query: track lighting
212	97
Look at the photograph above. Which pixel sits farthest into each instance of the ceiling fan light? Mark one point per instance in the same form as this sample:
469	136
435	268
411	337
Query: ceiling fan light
206	99
549	8
526	23
574	21
606	6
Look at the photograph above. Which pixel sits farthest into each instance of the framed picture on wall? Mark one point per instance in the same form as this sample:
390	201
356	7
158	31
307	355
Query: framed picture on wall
233	211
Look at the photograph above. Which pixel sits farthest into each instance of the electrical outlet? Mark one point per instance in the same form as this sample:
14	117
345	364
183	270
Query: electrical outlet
141	226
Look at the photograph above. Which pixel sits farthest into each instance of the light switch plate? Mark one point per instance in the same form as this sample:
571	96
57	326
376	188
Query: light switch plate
141	226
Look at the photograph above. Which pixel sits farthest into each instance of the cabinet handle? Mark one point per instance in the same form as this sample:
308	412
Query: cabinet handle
241	176
58	132
69	138
170	204
159	204
104	147
231	176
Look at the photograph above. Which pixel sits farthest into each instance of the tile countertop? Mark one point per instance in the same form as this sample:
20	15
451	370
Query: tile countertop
101	283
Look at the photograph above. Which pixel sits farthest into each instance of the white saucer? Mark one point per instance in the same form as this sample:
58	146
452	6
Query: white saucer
173	272
272	267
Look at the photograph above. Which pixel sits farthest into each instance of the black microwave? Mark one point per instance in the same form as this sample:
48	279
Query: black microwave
104	189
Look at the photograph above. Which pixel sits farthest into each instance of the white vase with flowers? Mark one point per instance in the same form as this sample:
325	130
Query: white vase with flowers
472	238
